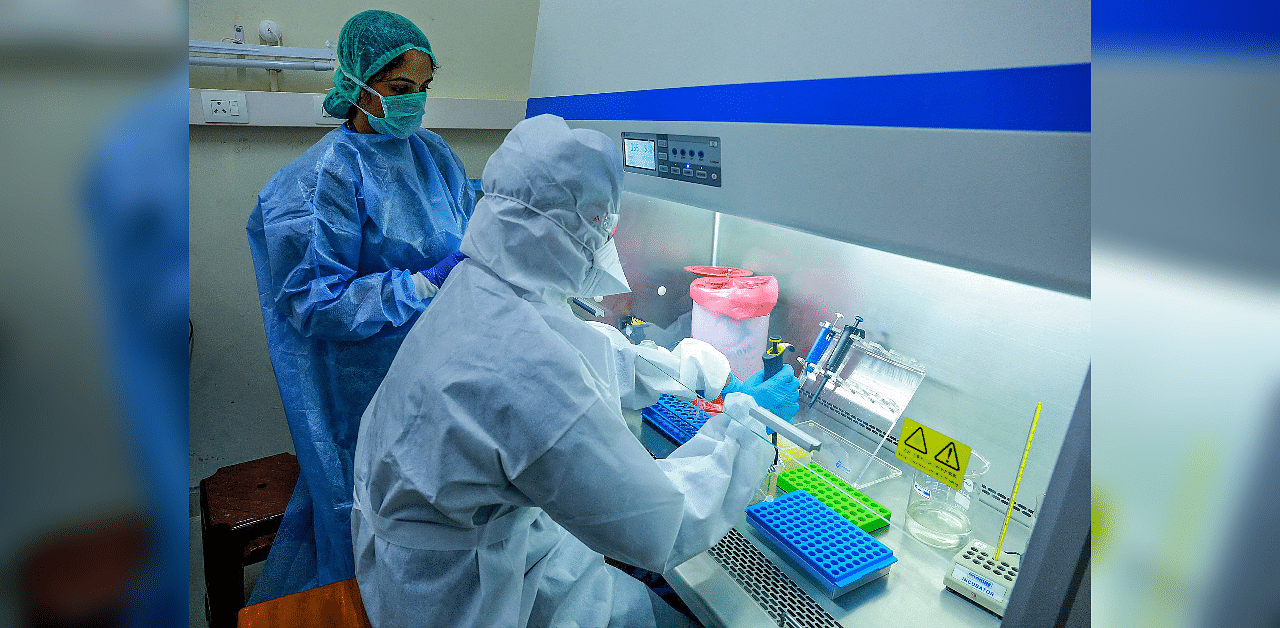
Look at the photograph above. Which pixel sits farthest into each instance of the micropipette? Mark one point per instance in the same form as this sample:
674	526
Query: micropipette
833	359
773	355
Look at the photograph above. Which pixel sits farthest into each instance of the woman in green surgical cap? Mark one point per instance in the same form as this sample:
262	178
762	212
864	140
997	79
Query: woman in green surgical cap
381	85
350	242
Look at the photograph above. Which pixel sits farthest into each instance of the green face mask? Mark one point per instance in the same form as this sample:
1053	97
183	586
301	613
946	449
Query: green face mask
401	114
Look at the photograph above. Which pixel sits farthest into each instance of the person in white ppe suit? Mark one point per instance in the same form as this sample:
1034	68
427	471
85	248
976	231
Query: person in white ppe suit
493	466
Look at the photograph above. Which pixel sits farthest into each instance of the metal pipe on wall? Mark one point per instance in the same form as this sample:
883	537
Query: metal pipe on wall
278	52
264	64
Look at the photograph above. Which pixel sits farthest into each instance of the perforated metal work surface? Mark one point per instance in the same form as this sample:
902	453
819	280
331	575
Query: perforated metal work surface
776	593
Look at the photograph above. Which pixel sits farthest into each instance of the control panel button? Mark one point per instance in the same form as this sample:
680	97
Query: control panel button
699	154
714	176
662	168
702	174
688	172
662	143
662	156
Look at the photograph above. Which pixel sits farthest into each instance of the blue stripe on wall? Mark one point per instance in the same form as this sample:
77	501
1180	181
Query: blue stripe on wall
1046	98
1247	26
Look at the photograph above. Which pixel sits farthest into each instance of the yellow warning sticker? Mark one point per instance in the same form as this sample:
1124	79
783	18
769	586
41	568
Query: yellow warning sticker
942	457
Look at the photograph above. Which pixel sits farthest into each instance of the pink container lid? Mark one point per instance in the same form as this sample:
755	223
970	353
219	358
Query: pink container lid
718	271
737	297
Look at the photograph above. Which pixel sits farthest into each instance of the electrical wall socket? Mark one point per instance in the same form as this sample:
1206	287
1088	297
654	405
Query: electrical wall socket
224	106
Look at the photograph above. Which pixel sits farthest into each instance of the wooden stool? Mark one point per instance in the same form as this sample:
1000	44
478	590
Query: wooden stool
241	507
336	605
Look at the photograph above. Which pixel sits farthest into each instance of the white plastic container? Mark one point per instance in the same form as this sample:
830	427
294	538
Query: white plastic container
732	315
742	341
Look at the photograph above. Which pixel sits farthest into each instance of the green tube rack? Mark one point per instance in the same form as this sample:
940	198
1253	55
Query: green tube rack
837	494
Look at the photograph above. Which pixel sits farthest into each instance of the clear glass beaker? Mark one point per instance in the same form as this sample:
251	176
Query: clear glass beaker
937	514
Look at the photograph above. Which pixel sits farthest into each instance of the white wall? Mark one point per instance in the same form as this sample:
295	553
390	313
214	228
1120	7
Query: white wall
484	47
589	46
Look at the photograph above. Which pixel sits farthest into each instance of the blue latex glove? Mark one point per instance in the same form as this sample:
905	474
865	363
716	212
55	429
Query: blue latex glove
779	394
437	274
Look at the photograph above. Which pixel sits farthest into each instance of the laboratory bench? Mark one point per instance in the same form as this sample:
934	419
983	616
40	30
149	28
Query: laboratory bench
912	593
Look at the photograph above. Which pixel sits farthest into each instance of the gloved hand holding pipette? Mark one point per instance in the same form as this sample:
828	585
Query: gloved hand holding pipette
778	394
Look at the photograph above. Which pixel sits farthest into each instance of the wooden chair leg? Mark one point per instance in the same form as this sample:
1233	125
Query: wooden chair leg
241	507
223	577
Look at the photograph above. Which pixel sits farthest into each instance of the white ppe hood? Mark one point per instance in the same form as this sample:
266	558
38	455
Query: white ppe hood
550	199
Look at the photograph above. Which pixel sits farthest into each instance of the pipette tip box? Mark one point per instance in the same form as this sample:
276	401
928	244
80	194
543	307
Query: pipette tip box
674	418
837	494
837	555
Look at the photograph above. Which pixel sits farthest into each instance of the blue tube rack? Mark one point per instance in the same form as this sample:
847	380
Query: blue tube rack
836	554
676	419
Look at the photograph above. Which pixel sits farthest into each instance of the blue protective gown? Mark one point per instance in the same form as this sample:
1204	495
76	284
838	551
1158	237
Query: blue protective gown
335	237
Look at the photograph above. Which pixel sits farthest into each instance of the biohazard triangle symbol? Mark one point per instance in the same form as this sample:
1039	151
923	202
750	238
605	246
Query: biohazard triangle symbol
916	441
948	456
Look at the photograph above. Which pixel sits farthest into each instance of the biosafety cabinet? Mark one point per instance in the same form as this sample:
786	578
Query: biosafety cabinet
921	166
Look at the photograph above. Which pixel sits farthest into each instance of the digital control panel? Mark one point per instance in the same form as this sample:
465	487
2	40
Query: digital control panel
692	158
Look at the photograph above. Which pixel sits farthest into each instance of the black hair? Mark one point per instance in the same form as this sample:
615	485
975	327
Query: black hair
390	67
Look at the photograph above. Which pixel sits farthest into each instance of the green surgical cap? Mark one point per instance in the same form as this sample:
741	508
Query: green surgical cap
368	41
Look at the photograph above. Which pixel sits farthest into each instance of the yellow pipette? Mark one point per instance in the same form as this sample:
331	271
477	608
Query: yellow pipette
1013	499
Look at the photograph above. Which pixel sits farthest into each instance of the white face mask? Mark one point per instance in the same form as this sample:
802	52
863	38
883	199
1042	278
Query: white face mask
605	277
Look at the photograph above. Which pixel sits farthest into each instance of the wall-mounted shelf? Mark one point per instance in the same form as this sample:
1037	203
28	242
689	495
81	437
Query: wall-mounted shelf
295	109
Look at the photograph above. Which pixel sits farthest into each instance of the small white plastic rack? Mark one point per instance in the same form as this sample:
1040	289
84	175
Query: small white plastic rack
983	578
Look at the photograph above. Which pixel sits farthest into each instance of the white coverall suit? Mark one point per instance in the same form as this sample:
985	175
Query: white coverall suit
493	466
